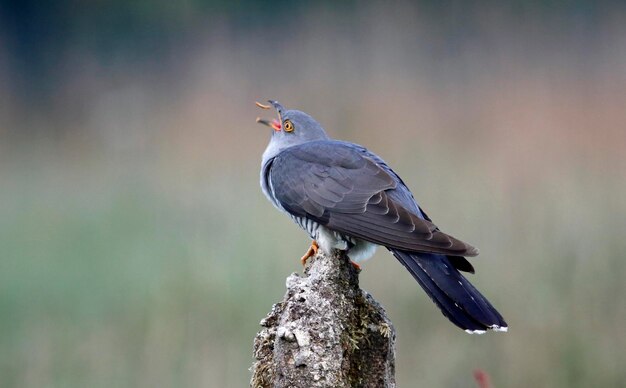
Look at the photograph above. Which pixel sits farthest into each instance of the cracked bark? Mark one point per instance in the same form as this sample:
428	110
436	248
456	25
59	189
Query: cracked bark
326	332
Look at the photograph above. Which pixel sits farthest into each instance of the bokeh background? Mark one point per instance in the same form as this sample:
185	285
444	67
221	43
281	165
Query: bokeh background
136	248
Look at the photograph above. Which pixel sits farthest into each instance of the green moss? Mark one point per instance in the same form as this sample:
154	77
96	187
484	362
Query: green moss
358	342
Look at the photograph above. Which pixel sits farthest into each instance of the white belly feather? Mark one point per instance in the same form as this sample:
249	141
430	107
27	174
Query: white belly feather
328	240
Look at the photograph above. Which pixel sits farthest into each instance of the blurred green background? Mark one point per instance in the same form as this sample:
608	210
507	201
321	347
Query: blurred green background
136	248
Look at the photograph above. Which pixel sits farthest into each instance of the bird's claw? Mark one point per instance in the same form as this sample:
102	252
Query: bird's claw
312	251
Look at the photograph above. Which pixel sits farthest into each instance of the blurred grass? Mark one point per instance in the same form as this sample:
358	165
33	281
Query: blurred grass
119	278
138	250
105	281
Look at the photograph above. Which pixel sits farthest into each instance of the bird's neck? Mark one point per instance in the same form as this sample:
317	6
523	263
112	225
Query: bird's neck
275	146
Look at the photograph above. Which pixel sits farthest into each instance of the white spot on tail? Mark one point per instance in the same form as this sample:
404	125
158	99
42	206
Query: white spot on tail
493	327
475	331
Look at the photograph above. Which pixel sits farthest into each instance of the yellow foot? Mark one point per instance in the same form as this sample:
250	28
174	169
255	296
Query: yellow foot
355	265
312	250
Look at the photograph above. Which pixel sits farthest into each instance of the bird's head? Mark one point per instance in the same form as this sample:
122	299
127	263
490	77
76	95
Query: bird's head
292	127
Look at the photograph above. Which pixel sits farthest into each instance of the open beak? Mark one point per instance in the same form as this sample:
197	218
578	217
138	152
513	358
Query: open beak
274	124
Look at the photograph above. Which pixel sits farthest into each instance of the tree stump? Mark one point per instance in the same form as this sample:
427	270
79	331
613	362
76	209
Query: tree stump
326	332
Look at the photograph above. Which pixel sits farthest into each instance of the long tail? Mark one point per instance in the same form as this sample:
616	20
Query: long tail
457	298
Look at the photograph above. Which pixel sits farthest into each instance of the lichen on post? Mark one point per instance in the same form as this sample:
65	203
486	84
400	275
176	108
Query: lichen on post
326	332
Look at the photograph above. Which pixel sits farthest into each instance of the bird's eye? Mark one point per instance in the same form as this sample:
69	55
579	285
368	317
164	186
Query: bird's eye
288	126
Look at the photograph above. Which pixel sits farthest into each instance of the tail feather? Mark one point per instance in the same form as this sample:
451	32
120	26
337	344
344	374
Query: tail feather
457	298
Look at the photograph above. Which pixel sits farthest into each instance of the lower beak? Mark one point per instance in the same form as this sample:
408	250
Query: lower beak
272	124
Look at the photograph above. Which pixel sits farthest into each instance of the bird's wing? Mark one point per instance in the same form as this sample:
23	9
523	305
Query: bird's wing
339	186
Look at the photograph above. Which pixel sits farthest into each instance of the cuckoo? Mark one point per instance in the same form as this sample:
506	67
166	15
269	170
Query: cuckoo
347	198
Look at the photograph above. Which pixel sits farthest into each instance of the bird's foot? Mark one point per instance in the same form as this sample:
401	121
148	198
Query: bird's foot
356	265
312	251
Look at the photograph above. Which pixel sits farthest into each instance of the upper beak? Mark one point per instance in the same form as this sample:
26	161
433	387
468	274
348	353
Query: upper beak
279	108
261	105
275	124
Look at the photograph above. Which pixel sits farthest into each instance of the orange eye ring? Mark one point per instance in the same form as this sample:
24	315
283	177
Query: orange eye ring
288	126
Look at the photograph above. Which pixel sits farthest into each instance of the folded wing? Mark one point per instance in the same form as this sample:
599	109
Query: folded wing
339	186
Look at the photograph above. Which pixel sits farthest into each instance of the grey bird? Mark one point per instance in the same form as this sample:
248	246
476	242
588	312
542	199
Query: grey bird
347	198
